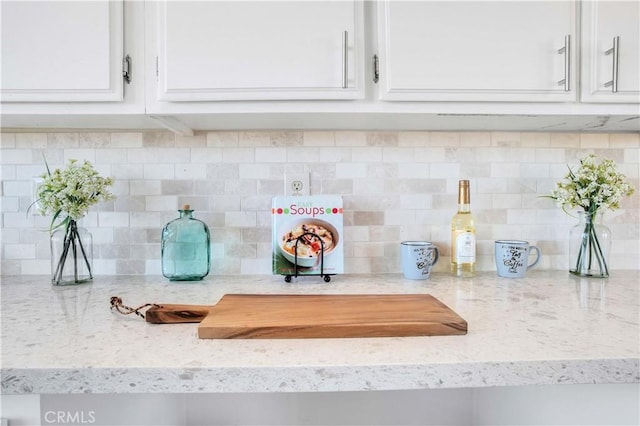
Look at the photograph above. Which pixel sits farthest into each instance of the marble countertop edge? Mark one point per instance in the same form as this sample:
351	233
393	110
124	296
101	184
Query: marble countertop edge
319	378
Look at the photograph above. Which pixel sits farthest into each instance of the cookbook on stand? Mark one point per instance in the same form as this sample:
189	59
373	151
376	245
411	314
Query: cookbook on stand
307	235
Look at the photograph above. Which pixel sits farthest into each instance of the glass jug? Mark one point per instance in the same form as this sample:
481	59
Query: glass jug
185	248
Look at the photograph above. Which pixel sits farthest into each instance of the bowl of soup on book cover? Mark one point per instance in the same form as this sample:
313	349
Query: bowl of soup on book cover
310	237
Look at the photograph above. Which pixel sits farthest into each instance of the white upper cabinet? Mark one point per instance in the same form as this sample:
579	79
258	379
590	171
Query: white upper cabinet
611	51
477	51
256	50
62	51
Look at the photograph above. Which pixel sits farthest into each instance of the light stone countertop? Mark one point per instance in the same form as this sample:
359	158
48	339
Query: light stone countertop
548	328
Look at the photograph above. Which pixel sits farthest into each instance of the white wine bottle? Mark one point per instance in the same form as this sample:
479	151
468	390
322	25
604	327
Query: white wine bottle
463	235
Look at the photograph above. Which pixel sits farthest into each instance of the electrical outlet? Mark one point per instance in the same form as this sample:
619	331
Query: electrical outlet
297	184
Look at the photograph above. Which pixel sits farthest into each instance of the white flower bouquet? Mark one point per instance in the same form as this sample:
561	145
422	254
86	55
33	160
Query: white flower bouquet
67	194
71	191
592	187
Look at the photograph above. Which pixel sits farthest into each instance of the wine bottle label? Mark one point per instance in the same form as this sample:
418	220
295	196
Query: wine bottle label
466	248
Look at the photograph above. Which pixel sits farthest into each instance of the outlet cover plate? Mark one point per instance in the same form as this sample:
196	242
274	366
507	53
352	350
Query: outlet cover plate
297	184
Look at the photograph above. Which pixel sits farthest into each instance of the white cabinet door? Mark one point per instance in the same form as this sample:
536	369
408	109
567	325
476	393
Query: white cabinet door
611	74
246	50
62	51
476	50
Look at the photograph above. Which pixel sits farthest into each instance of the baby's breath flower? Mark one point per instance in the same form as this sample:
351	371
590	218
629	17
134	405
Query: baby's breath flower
592	186
72	191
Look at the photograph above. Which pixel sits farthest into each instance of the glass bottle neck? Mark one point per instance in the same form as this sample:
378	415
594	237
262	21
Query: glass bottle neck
464	208
464	197
186	214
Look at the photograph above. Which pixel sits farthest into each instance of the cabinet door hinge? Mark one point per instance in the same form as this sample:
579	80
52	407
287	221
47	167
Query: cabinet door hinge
376	69
126	69
157	72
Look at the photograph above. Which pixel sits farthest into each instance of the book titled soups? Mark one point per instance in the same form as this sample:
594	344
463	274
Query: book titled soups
307	232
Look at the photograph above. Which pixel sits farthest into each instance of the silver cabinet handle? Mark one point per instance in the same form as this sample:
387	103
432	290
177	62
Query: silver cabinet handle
615	51
566	50
126	69
345	59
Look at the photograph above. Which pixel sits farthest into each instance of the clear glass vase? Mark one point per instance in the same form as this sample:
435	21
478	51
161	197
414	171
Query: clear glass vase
71	255
589	246
185	248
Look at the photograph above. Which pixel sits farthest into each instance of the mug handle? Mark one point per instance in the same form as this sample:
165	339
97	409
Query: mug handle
537	250
435	259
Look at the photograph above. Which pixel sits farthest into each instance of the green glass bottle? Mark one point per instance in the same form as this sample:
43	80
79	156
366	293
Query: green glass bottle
185	248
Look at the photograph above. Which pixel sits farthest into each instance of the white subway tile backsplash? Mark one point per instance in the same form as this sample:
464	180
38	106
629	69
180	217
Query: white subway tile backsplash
351	171
318	138
113	219
20	251
30	140
444	170
594	140
62	140
431	155
206	155
145	187
271	154
416	201
453	139
158	171
418	170
624	140
190	171
472	139
286	138
253	171
632	157
126	140
27	171
350	138
161	203
103	235
8	140
565	140
222	139
127	171
535	140
333	155
505	170
382	139
506	201
395	186
16	188
84	153
241	219
238	155
16	156
417	139
199	140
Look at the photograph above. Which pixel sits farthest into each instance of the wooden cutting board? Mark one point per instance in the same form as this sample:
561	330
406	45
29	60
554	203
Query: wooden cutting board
253	316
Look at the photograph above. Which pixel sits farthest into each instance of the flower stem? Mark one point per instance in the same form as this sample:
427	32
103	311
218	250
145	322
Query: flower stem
590	251
71	242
